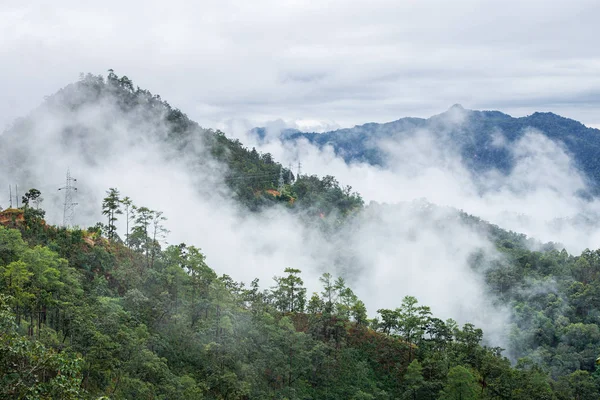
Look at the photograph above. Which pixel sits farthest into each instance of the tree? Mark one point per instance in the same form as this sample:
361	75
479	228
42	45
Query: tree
31	371
112	78
389	320
159	232
14	278
579	385
111	206
201	274
345	298
33	216
290	295
412	320
315	304
254	298
359	312
32	196
129	215
413	380
440	335
461	385
139	238
530	382
12	245
201	277
328	293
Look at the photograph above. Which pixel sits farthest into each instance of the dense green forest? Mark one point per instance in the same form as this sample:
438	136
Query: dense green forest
87	314
112	312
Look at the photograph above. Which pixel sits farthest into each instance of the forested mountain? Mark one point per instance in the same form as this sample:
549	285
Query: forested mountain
481	138
113	311
85	316
77	117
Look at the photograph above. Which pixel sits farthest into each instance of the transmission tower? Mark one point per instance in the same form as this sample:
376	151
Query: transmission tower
69	210
10	195
299	170
280	187
290	173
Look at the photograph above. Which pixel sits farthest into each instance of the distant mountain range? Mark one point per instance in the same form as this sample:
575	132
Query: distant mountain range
474	133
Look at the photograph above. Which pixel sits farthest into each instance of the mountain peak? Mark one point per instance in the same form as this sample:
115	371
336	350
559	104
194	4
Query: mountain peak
474	133
456	107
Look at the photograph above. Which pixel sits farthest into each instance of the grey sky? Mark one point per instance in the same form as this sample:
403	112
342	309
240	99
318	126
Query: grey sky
341	62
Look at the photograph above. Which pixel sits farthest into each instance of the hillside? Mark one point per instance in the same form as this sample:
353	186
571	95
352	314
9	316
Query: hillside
97	118
84	316
114	310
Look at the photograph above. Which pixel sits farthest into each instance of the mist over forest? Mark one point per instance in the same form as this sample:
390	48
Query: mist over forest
418	254
296	200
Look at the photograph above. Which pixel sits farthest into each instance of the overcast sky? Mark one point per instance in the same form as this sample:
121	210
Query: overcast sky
327	62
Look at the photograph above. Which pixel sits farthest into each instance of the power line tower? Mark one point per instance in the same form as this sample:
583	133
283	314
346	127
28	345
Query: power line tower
299	170
290	173
10	195
69	210
280	187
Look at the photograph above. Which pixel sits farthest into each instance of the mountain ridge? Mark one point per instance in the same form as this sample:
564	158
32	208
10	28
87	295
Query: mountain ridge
113	320
489	112
474	132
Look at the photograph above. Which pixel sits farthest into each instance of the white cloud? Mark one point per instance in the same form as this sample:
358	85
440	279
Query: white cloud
539	197
385	254
344	61
240	64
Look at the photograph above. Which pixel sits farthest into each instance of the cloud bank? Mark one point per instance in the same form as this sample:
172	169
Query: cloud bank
540	196
385	253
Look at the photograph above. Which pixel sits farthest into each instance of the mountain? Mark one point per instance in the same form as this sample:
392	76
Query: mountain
86	317
481	137
101	122
86	313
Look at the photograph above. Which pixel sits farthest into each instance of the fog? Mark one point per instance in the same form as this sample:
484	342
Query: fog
539	197
406	247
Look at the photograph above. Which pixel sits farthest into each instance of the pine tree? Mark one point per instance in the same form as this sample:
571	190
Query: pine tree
290	295
111	206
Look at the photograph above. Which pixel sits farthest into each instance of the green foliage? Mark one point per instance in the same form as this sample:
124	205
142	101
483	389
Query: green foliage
289	294
413	380
32	196
325	198
250	174
461	385
139	321
111	207
84	316
29	370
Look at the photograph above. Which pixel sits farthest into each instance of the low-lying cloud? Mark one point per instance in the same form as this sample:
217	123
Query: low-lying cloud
396	247
540	196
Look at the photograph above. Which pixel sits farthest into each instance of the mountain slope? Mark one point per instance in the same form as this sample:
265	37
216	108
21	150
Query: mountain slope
481	137
98	121
131	325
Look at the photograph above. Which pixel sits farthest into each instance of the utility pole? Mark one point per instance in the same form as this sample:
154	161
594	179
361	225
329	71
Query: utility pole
69	210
